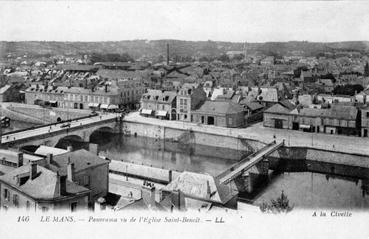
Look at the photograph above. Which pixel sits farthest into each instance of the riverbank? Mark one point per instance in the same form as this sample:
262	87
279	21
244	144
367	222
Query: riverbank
256	135
328	149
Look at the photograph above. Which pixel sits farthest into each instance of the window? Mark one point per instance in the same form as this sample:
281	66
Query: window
367	114
15	200
85	180
230	121
44	209
28	205
6	194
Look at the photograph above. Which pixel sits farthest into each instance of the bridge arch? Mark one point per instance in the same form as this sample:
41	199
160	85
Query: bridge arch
69	140
29	148
101	134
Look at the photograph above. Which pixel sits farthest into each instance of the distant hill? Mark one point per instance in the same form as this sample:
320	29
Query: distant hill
139	48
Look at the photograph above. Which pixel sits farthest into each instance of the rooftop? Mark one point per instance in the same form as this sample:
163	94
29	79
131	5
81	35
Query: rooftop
44	186
82	159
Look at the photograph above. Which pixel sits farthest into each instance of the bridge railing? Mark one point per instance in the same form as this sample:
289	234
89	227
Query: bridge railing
51	124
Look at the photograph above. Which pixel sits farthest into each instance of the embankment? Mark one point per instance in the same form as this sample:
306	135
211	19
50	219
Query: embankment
308	159
39	115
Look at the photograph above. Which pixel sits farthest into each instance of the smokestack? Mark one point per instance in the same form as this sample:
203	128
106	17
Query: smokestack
168	54
33	170
20	159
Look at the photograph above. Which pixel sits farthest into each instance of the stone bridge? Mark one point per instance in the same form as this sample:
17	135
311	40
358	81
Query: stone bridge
77	129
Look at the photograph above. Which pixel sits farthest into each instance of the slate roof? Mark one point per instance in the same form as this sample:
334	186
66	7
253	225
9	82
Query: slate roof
43	186
220	107
82	159
287	104
253	105
344	112
200	185
277	108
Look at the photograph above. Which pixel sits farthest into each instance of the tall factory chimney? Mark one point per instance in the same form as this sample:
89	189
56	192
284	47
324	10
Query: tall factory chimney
168	54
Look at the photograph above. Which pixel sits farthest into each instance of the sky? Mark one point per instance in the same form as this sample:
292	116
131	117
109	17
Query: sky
218	20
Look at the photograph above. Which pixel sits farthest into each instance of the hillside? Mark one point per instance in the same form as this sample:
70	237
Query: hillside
139	48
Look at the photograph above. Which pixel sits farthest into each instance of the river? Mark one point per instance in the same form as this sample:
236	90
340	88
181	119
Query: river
303	189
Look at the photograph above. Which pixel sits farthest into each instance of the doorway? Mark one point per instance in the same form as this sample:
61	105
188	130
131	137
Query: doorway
278	123
211	120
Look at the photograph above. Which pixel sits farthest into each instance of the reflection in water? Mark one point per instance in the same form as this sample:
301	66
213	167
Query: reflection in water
304	189
315	190
168	155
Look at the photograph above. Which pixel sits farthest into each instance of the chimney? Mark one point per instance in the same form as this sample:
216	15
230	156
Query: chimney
177	199
170	176
20	159
70	171
93	148
148	195
168	54
208	191
61	184
33	170
69	148
49	158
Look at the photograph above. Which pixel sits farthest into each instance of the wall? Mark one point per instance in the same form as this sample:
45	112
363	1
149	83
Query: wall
324	161
269	120
201	138
37	114
22	199
98	180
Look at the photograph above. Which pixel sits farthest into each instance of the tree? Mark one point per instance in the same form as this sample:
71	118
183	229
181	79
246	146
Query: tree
281	204
348	89
223	58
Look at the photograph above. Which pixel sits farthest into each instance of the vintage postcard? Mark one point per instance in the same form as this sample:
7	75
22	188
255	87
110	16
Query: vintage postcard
184	119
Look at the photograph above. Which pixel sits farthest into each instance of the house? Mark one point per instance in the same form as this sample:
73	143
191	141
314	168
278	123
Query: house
278	116
326	84
37	188
220	113
306	77
159	104
84	168
339	119
200	191
9	93
189	98
364	121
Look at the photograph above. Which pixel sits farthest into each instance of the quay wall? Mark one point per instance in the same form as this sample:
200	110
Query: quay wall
191	136
328	160
323	161
39	115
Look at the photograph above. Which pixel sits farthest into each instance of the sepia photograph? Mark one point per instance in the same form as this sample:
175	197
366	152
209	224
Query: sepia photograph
184	119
